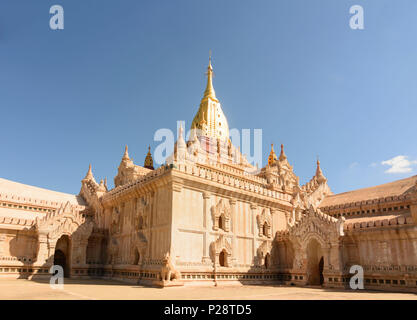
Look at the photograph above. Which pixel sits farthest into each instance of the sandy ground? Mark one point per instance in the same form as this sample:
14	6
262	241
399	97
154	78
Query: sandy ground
102	289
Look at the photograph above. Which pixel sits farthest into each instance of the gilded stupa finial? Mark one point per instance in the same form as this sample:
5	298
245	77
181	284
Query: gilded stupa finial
272	156
89	175
181	130
126	154
148	160
209	92
180	141
319	174
102	186
210	119
282	155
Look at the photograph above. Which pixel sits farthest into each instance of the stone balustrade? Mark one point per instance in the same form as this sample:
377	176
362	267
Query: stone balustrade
18	202
219	172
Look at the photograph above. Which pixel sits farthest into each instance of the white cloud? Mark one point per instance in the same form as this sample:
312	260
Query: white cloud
373	164
353	165
399	164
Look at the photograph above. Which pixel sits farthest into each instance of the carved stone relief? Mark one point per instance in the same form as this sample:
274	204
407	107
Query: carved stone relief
221	214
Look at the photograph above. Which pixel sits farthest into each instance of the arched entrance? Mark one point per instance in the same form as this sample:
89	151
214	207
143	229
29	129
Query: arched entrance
315	263
60	259
61	254
321	266
103	251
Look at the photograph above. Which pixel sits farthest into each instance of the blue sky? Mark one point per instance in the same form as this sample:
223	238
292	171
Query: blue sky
120	70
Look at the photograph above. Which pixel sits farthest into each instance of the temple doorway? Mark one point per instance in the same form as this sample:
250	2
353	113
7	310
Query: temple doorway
61	254
103	251
315	263
321	266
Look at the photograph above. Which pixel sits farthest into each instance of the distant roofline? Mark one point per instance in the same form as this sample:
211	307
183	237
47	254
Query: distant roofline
18	189
372	187
367	192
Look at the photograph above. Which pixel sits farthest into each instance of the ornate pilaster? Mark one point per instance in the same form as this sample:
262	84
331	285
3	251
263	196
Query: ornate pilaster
274	227
2	240
413	210
335	263
206	227
234	229
254	231
43	251
79	249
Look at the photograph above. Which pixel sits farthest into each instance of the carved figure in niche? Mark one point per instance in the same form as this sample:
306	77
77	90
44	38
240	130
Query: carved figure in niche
138	244
140	210
113	250
134	256
115	225
298	262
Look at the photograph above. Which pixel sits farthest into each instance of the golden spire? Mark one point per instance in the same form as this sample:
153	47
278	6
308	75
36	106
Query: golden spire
126	154
209	92
282	155
102	186
148	160
210	119
180	141
89	172
272	156
319	174
89	175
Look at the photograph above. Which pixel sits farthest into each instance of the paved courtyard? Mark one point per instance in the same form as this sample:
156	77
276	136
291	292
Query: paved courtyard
102	289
